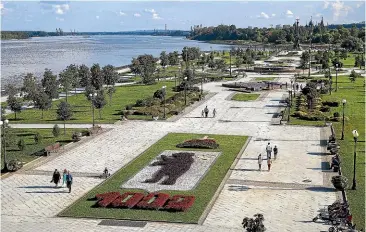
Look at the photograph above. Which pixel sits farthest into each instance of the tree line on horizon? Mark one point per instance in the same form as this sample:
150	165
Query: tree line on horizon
351	39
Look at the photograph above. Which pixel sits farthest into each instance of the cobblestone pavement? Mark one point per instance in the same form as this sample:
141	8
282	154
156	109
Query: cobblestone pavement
30	203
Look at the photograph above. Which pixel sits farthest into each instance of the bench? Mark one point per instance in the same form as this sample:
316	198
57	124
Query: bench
52	148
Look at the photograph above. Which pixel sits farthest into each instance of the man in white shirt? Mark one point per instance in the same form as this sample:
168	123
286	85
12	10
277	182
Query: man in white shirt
269	151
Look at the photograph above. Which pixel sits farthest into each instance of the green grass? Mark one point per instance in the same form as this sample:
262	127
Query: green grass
354	93
123	96
245	97
265	78
230	146
31	149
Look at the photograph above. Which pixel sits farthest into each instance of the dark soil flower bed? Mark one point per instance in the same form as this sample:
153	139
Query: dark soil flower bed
148	202
199	143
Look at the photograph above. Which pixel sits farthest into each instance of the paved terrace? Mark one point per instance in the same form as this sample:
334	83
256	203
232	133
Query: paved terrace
289	195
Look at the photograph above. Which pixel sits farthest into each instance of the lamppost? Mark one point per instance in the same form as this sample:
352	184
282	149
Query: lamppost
3	125
344	101
355	136
289	105
185	91
180	73
336	77
92	98
202	86
163	89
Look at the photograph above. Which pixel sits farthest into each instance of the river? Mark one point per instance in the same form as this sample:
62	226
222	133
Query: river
19	57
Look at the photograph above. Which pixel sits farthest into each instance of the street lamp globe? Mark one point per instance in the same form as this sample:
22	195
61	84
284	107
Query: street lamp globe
185	78
6	121
90	95
95	94
163	87
355	134
344	101
1	123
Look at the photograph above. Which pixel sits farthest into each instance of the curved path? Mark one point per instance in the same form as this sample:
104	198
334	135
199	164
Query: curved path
285	196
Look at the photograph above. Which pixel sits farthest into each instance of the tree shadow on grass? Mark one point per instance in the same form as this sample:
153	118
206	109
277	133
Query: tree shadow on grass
26	134
316	153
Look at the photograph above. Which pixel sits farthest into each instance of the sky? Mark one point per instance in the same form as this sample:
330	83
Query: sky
146	15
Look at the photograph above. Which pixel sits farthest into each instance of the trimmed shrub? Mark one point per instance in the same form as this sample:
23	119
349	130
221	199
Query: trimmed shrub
199	143
129	107
38	138
56	130
14	165
140	103
76	136
325	109
339	182
331	103
21	144
336	114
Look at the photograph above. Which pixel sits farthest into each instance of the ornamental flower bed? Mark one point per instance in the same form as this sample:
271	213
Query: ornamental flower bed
199	143
152	201
180	203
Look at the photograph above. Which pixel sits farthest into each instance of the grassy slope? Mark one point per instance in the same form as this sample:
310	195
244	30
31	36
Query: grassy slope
245	97
229	146
82	107
354	93
28	154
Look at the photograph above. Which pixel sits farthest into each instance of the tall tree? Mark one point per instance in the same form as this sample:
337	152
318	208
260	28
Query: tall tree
75	78
97	77
64	113
135	66
50	84
84	75
110	75
164	59
110	91
65	78
29	87
43	101
146	65
173	58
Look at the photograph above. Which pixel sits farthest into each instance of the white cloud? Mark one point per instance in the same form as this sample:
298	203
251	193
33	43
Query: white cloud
156	16
263	15
61	9
318	15
289	14
122	13
121	23
97	17
339	9
1	6
137	15
273	15
60	19
358	5
150	10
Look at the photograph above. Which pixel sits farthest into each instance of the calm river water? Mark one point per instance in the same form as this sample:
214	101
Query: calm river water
34	55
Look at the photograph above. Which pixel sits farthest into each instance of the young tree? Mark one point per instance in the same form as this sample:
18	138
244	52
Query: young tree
89	89
100	102
164	59
344	54
173	58
135	66
56	130
97	77
74	73
30	87
15	105
50	85
65	78
110	91
64	113
43	102
84	75
38	138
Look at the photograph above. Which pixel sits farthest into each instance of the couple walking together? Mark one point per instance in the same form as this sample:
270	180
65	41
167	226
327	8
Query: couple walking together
269	153
205	112
66	179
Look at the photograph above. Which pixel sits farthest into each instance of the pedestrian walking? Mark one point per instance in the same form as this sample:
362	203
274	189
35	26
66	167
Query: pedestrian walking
64	174
206	111
301	86
269	162
281	86
269	150
260	160
56	177
275	151
297	87
203	113
286	84
69	181
214	112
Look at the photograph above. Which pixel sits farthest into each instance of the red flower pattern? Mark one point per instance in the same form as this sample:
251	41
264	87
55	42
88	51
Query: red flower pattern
180	203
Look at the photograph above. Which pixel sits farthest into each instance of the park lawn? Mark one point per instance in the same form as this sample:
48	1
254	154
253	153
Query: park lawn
245	97
354	93
32	150
111	112
230	146
264	78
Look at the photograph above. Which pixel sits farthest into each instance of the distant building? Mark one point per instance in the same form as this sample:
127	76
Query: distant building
250	27
278	26
286	26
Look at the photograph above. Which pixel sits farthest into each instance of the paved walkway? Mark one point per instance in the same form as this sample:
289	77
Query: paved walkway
284	195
